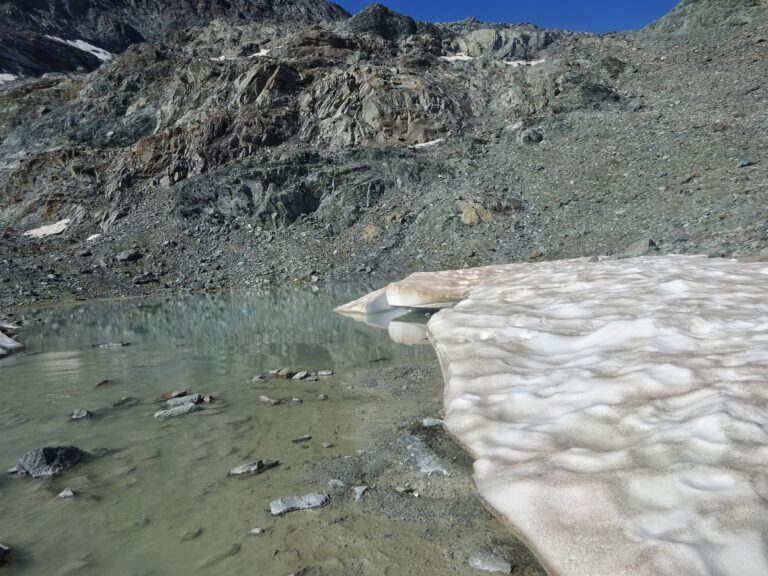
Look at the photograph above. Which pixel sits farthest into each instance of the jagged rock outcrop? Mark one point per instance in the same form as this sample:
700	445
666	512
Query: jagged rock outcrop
26	26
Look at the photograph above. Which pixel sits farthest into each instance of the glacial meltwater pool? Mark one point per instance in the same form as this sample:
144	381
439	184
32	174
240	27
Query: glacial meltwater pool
153	498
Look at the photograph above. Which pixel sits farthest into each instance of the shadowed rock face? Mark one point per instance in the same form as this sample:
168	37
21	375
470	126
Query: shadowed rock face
116	24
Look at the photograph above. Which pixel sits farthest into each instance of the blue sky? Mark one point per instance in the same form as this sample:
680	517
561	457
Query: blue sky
584	15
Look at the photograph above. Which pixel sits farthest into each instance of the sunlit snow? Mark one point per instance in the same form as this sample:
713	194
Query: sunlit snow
617	410
518	63
7	78
429	144
100	53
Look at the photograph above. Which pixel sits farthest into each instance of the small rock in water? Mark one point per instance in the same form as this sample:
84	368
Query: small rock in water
105	383
746	162
293	503
285	373
110	345
296	401
66	493
488	561
177	411
312	379
124	401
327	445
258	531
325	373
181	400
322	396
5	554
359	492
300	439
300	375
165	396
209	398
80	414
191	534
431	422
269	401
255	467
336	484
49	461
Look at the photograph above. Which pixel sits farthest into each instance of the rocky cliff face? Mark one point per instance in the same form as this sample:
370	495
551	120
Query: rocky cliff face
29	28
253	142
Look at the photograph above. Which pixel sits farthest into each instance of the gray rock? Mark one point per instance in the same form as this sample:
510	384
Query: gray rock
301	375
66	494
360	492
641	248
325	373
489	561
128	256
258	531
424	458
251	468
746	162
110	345
294	503
300	439
182	400
49	461
269	401
5	554
80	414
529	136
189	535
431	422
177	411
335	484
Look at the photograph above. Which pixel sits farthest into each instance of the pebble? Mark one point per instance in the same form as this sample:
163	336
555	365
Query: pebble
300	439
269	401
173	412
488	561
325	373
80	414
105	383
294	503
285	373
258	531
431	422
336	484
327	445
181	400
251	468
66	493
322	396
301	375
360	492
191	534
124	401
128	256
296	401
747	162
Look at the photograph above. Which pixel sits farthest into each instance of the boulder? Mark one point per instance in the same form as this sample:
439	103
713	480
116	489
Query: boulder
49	461
293	503
251	468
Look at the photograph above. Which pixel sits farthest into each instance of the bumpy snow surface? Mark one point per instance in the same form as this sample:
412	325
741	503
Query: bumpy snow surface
7	78
617	410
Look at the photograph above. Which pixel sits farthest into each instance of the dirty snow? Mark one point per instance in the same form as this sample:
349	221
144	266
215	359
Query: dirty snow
7	78
100	53
429	144
617	410
460	57
49	230
518	63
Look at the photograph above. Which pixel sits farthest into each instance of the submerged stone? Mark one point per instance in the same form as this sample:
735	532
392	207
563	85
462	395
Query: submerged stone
301	375
49	461
176	411
66	494
5	554
294	503
251	468
80	414
182	400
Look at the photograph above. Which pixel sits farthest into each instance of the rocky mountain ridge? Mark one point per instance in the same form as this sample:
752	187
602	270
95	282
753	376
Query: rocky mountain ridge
316	146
